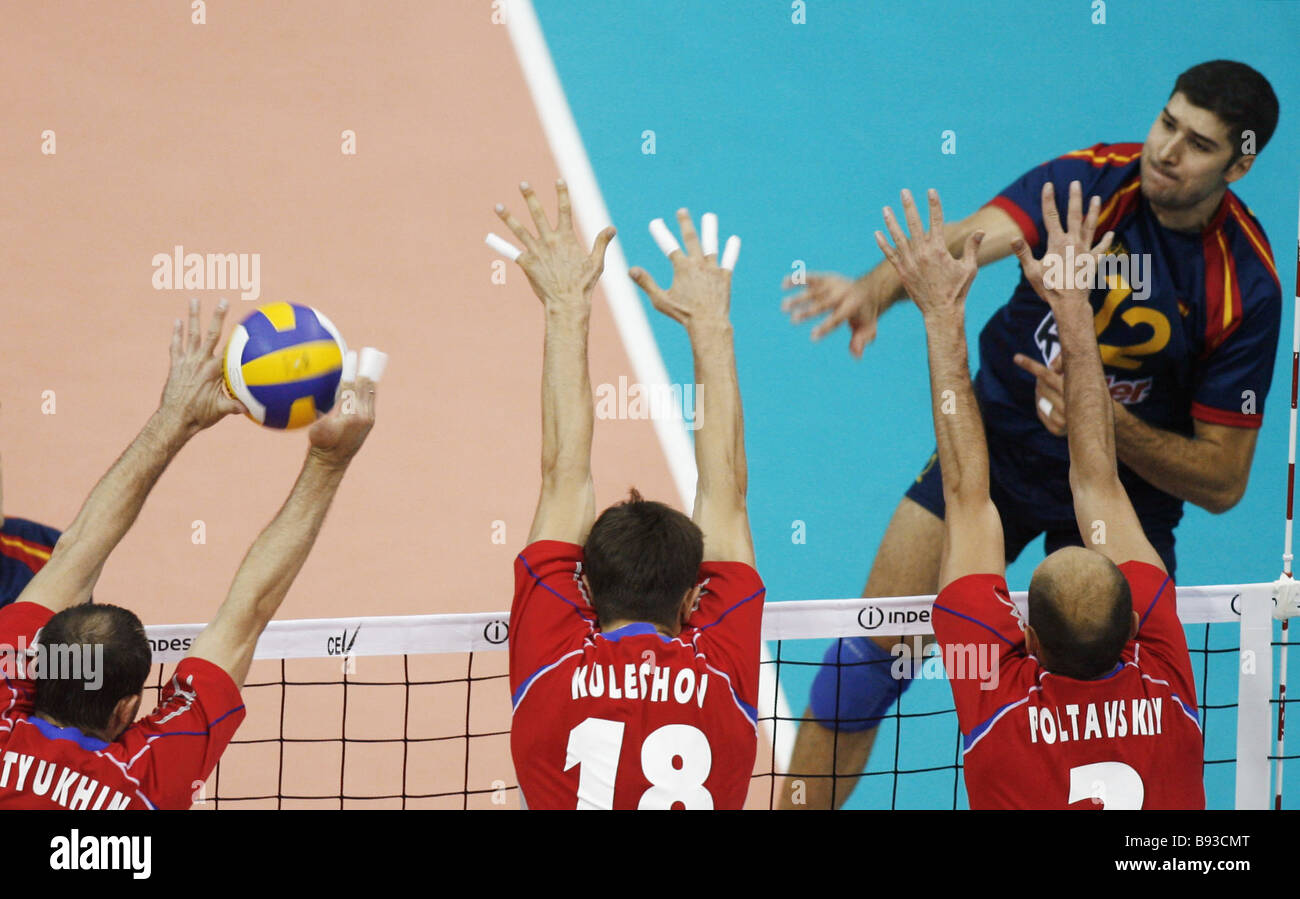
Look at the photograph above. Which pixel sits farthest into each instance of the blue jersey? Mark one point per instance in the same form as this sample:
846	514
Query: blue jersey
25	547
1187	325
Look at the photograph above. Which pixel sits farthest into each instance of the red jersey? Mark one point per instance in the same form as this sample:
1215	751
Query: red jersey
630	718
159	762
1033	739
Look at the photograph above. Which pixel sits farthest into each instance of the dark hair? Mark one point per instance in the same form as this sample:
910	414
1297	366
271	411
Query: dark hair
124	665
640	559
1082	656
1241	97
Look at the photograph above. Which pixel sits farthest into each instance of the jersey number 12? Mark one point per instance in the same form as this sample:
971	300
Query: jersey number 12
596	744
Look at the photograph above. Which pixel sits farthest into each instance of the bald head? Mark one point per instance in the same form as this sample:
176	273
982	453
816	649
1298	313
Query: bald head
1081	613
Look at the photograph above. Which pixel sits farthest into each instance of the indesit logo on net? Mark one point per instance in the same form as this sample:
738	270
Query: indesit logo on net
872	617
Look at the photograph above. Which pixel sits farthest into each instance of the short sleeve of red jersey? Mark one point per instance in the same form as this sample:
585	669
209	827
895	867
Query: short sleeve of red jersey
1101	170
976	624
728	624
19	623
1161	641
550	614
172	752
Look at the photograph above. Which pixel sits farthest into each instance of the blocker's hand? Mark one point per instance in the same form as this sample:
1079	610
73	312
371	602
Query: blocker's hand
337	437
557	266
1072	244
701	288
194	396
934	280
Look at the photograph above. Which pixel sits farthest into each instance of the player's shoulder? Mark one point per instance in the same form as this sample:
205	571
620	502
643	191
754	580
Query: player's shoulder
543	557
1148	584
738	579
979	586
1250	249
1104	155
27	541
1108	171
23	618
1145	575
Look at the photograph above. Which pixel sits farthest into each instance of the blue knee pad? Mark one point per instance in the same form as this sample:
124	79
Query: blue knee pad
859	673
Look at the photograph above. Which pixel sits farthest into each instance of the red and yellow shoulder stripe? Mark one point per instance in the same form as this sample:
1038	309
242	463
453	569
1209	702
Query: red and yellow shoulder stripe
1108	154
31	554
1223	310
1237	211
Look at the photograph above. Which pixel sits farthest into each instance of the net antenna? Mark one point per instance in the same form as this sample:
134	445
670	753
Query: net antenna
1287	596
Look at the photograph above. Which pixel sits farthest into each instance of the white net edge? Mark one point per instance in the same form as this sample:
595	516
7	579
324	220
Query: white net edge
311	638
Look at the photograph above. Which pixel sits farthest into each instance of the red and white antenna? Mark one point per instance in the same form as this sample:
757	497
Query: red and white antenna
1286	587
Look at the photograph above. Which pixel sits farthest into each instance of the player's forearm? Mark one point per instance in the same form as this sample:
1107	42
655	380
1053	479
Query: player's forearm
278	554
958	427
1091	436
720	434
1189	468
107	514
567	416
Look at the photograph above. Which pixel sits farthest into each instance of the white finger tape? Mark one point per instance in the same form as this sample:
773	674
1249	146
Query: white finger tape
664	238
1046	405
730	253
349	367
709	234
372	364
504	247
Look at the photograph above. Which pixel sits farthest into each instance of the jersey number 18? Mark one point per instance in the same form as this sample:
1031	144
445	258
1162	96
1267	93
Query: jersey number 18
675	758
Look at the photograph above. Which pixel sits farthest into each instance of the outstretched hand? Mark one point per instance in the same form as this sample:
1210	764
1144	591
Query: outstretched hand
556	264
337	437
934	280
1067	271
194	396
701	288
841	300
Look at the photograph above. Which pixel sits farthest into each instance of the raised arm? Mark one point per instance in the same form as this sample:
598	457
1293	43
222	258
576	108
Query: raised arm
193	399
563	276
938	283
700	299
1102	508
861	302
278	554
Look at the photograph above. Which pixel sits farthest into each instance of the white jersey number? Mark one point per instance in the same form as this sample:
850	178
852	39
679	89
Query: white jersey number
1112	785
676	759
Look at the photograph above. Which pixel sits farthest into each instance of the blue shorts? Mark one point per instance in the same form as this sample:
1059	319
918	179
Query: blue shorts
1038	505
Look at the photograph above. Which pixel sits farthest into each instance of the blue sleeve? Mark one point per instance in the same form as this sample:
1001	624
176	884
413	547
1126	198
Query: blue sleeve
1232	383
1100	169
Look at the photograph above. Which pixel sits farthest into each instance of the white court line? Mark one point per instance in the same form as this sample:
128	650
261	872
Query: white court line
629	315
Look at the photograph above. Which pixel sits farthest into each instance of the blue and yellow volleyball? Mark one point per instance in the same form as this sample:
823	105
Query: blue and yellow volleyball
284	362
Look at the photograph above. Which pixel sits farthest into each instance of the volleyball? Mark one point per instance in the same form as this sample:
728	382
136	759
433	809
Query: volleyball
284	362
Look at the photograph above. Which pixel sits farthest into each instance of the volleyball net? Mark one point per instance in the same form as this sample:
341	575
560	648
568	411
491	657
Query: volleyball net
414	711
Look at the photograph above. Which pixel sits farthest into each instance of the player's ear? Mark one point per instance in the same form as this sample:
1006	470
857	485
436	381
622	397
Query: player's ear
689	602
123	715
1133	627
1239	168
1031	640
